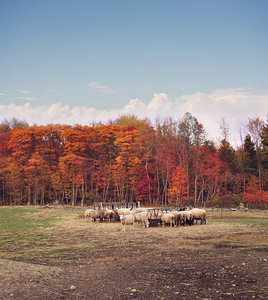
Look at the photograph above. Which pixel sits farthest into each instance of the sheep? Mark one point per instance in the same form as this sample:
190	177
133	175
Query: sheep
127	220
96	215
92	214
199	214
125	211
109	214
153	214
181	218
142	219
188	217
140	209
176	215
116	216
167	218
184	208
102	214
106	214
88	214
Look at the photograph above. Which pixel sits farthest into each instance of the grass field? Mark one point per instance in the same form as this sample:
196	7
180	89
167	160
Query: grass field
33	233
45	251
240	217
25	230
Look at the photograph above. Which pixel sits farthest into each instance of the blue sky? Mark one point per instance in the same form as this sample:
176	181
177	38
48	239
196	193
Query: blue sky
153	57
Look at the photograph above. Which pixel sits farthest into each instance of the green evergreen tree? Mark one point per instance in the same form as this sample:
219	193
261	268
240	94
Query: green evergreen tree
250	160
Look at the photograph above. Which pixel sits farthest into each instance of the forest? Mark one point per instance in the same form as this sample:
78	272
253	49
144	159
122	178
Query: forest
129	159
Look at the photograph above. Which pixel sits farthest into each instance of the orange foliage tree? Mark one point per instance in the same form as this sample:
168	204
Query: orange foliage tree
129	160
178	187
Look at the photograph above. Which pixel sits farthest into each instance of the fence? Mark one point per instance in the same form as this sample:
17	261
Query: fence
114	205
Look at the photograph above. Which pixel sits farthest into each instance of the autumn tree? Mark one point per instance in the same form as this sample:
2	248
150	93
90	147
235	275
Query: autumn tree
165	157
102	159
38	176
178	186
228	158
211	175
73	162
129	160
194	135
129	143
146	189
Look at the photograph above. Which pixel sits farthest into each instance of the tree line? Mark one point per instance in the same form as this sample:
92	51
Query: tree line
129	159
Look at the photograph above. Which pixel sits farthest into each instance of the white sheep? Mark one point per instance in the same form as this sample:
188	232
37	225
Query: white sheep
142	219
92	214
109	214
199	214
188	217
140	209
176	215
179	218
125	211
127	220
167	218
88	214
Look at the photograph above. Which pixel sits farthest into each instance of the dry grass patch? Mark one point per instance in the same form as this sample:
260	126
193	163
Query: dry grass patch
60	235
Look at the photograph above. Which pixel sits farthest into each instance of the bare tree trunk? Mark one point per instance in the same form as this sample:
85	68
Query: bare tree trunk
83	194
29	195
43	196
149	184
195	189
73	192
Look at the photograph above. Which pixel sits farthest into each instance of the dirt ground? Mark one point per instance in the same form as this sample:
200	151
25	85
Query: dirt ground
214	261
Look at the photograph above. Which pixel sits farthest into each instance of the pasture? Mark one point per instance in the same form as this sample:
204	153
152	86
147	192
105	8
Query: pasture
56	254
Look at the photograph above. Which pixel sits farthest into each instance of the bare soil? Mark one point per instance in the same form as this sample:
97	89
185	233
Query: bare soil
100	261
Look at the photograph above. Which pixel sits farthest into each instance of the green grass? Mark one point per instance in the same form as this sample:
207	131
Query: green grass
22	228
31	234
239	217
261	222
238	213
15	218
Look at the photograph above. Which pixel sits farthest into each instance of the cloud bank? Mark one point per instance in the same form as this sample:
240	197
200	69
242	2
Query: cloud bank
234	105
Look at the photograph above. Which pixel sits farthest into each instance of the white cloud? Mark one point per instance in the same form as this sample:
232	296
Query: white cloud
1	94
234	105
101	88
135	106
25	92
26	98
160	103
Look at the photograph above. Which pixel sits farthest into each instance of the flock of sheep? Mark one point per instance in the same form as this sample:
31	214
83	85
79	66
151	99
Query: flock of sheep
147	216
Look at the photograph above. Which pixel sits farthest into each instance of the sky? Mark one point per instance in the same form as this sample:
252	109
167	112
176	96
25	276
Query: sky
78	61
